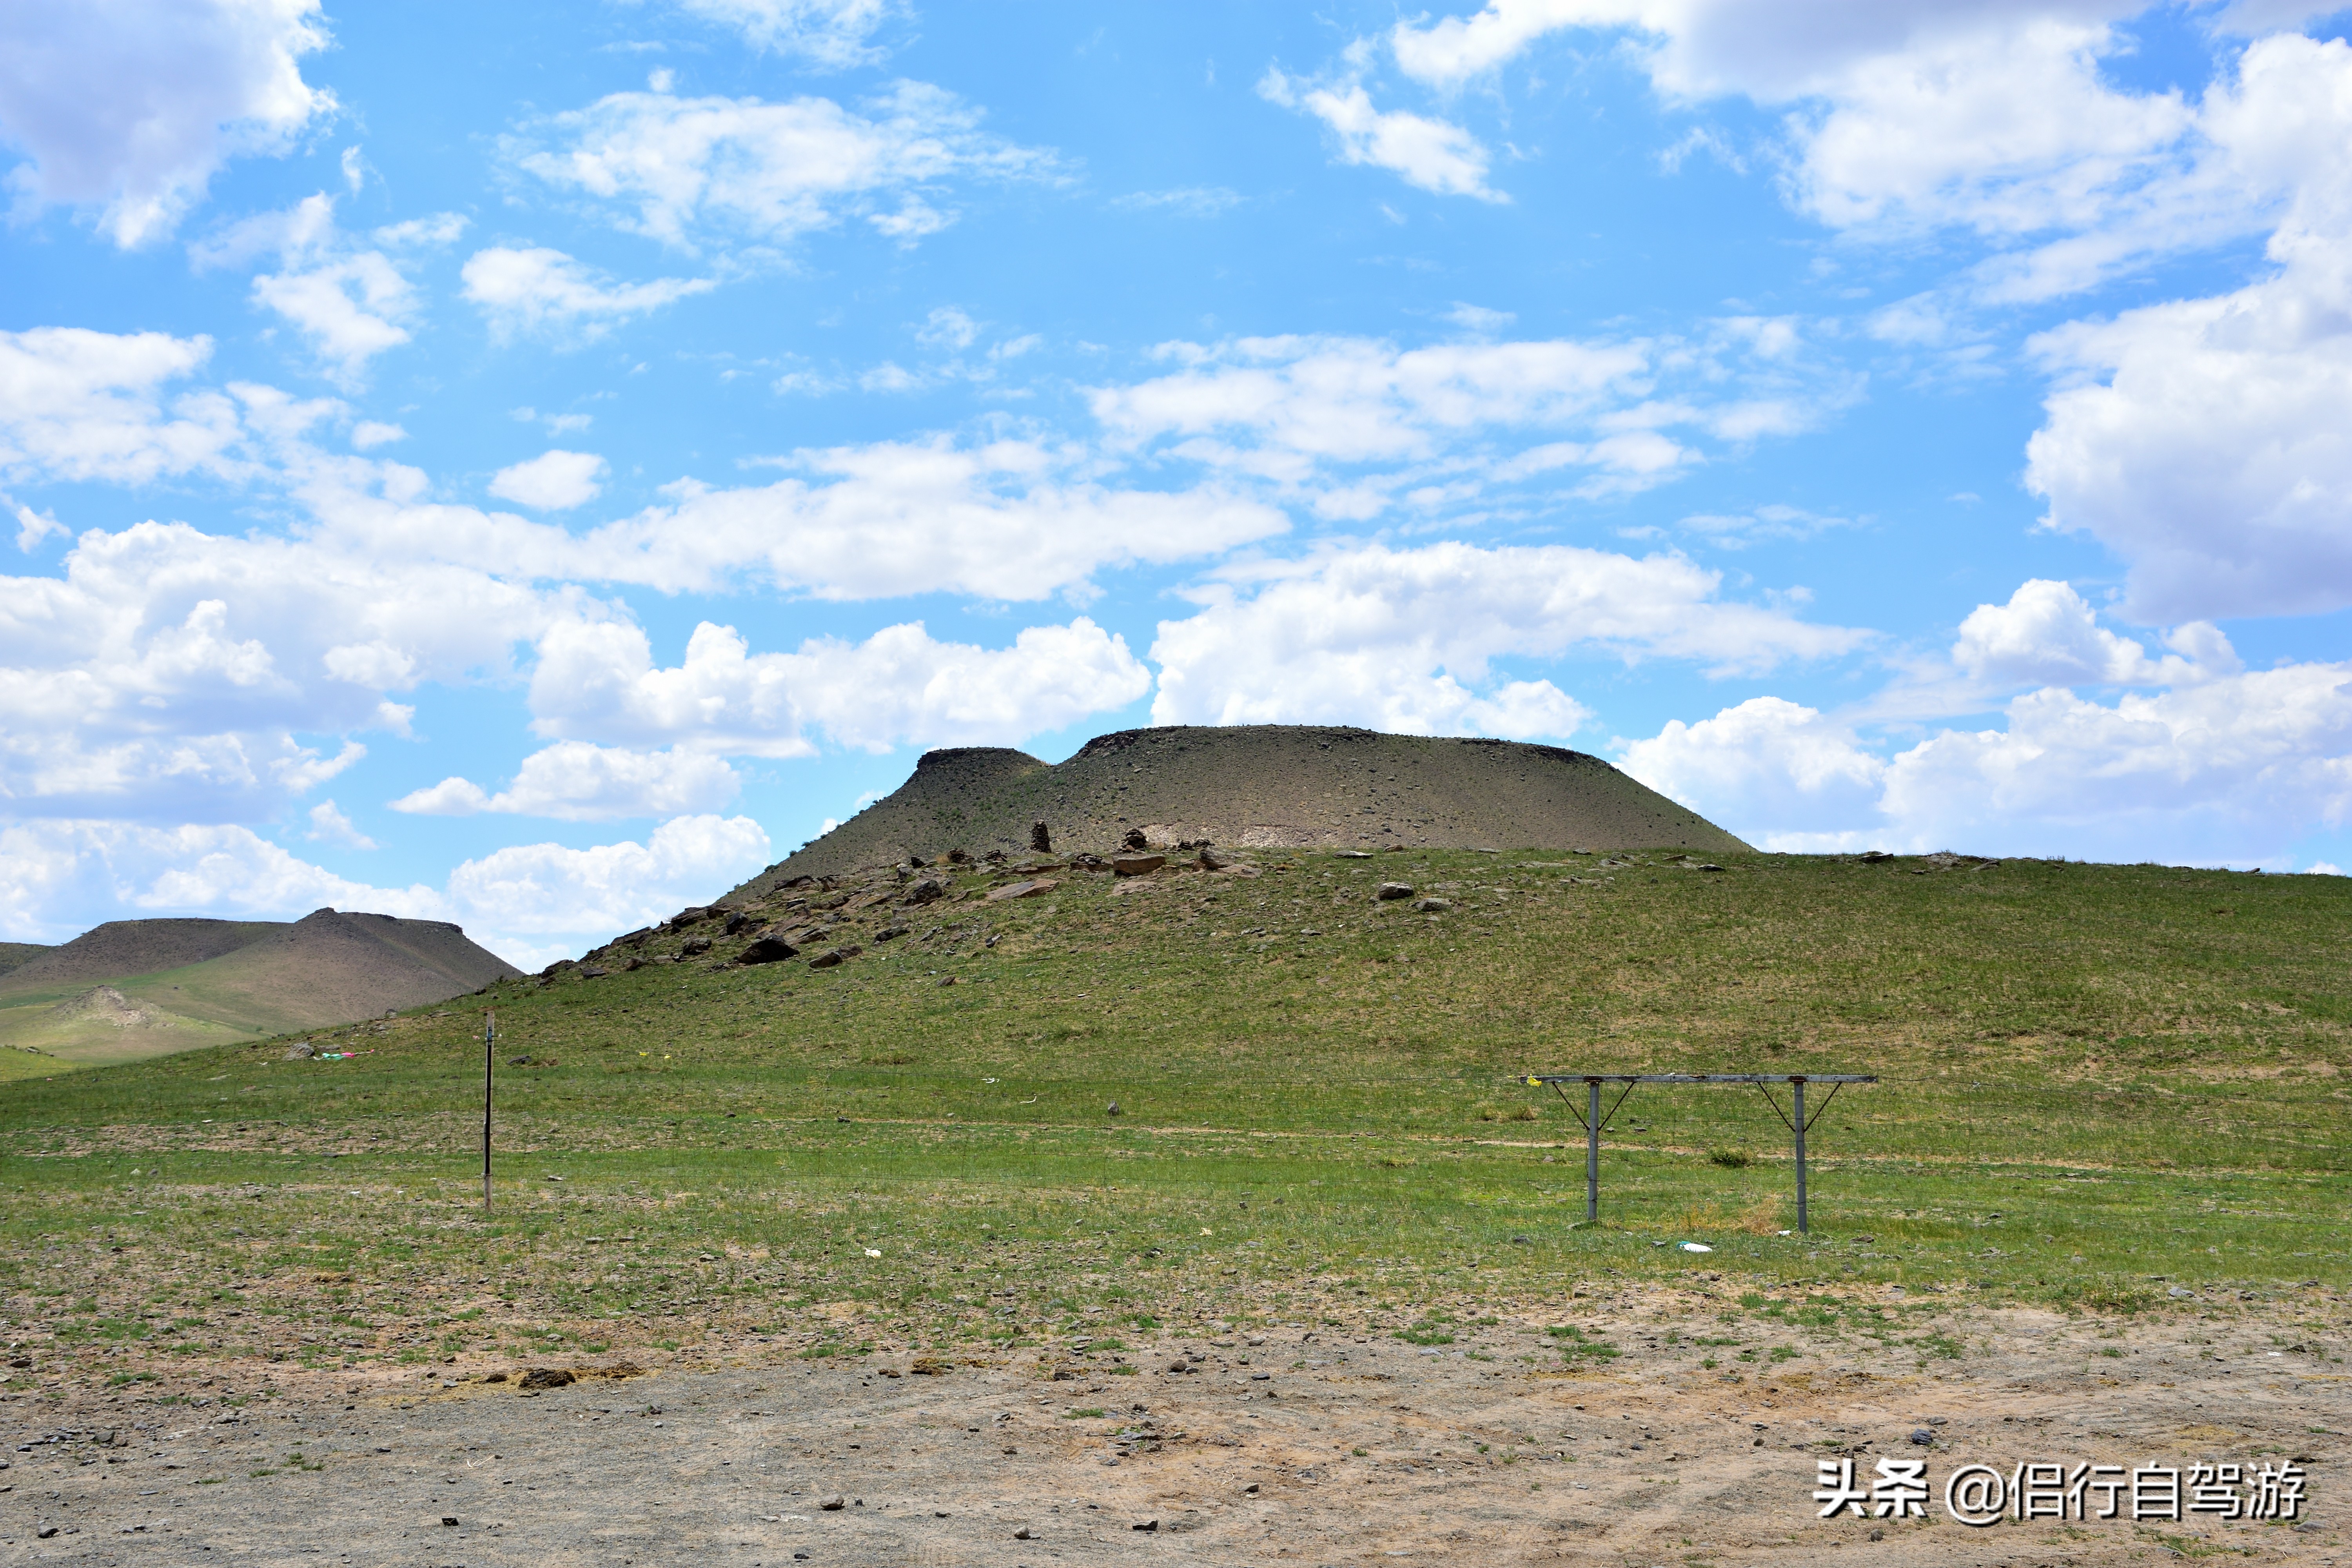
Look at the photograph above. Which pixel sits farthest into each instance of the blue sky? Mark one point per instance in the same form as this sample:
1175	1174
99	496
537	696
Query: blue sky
536	464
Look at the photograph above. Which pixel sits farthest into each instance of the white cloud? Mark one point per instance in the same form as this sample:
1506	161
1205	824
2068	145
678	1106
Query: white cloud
835	34
1766	769
420	233
346	308
1297	411
2003	118
1405	639
370	434
535	289
2203	439
898	687
1009	520
329	825
348	302
574	781
948	328
168	671
546	890
32	526
131	106
2237	768
79	404
529	903
556	480
696	171
1432	154
2048	636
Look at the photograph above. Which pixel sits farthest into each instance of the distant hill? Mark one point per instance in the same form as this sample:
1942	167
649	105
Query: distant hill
15	955
134	947
134	988
1261	786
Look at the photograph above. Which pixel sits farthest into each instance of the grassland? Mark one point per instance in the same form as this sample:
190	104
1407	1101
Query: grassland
2098	1085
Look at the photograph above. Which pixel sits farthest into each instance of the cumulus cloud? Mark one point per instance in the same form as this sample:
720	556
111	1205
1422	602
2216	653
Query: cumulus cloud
898	687
2236	768
529	893
543	290
556	480
1406	639
834	34
692	171
1771	770
80	405
129	107
169	671
2203	439
2047	634
529	903
1432	154
575	781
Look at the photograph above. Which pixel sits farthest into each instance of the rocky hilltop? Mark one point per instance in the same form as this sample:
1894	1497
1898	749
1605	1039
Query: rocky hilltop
1258	786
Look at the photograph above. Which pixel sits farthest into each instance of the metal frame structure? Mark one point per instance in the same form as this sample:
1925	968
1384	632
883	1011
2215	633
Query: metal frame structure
1592	1120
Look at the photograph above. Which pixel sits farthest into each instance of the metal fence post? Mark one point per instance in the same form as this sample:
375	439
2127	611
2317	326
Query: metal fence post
1592	1155
1797	1085
490	1048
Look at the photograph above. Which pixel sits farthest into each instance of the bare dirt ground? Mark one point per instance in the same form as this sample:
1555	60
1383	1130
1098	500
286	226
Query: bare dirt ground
1315	1446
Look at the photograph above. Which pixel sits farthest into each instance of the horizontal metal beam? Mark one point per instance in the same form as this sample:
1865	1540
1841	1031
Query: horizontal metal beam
1536	1077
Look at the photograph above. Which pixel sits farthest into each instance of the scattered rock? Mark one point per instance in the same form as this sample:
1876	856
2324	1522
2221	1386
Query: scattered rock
1147	1524
1136	865
1872	857
591	972
830	958
1112	1108
923	892
496	1377
767	950
1029	888
2180	1292
1432	905
1392	890
548	1377
891	933
1134	839
689	915
930	1367
1040	839
1922	1437
833	1504
449	1520
1347	855
739	920
958	857
1212	861
694	947
299	1049
1024	1534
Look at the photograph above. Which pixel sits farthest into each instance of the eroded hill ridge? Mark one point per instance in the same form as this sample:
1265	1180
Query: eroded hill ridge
1258	786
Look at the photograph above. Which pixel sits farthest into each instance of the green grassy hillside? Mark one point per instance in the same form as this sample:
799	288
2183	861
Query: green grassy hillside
2098	1084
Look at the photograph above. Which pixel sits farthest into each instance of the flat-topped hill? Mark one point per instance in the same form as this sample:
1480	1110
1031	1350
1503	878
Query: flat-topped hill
1261	785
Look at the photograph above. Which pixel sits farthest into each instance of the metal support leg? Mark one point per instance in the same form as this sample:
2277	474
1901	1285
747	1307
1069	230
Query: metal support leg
1797	1121
1592	1155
